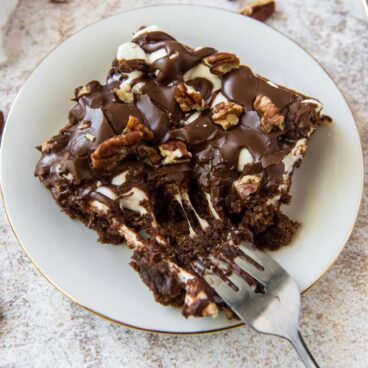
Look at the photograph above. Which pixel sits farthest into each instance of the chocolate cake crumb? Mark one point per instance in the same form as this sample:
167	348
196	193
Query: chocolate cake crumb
157	275
279	234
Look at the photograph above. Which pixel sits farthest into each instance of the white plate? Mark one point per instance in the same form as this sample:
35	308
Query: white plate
327	188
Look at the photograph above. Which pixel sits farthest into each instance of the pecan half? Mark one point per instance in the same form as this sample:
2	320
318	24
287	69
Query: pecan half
148	155
223	62
134	125
108	154
247	185
174	152
259	9
270	114
227	114
86	90
188	98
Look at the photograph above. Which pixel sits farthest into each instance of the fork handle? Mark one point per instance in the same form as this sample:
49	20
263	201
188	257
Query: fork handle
303	352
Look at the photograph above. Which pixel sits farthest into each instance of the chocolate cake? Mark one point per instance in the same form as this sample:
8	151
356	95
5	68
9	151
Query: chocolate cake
183	153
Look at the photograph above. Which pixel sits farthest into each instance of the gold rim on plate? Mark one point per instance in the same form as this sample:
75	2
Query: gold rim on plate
39	270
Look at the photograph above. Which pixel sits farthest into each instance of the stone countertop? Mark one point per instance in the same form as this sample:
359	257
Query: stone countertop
39	327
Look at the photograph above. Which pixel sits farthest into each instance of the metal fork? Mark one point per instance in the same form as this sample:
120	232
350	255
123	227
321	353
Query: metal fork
274	311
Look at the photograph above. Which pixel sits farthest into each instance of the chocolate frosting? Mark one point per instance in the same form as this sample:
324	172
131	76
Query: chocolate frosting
179	58
233	87
191	204
103	115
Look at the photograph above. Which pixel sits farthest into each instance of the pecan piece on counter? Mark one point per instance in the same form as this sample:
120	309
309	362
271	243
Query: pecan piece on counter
227	114
174	152
188	98
259	9
223	62
270	114
247	185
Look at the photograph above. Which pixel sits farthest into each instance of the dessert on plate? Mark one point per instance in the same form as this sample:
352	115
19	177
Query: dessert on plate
183	153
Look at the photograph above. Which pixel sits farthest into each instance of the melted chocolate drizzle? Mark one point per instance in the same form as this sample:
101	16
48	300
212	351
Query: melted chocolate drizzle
179	58
155	105
243	86
197	196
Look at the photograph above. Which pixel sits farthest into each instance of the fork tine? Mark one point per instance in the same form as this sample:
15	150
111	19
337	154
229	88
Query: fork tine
253	252
231	297
237	280
250	269
244	288
260	257
220	286
240	283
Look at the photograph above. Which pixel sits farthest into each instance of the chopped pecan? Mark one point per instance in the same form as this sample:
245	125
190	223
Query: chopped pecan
124	93
85	125
188	98
247	185
270	114
300	148
259	9
127	66
174	152
86	90
47	146
90	137
223	62
134	125
54	144
148	155
108	154
227	114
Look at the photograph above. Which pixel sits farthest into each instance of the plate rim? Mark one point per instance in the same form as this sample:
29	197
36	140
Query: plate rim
163	332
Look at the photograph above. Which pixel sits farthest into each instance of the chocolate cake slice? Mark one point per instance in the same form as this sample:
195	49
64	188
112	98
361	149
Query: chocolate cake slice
183	153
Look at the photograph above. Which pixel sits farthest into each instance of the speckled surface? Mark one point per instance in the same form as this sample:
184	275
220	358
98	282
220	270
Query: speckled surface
39	327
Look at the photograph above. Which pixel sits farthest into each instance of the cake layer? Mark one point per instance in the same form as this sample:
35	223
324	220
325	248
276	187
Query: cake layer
184	153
